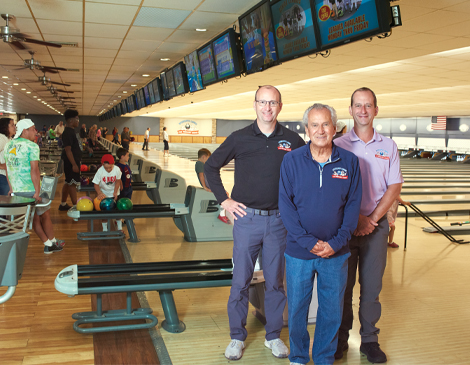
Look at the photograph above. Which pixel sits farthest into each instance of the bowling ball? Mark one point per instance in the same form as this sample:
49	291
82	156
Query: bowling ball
85	205
84	181
83	168
92	168
96	203
124	204
108	204
85	198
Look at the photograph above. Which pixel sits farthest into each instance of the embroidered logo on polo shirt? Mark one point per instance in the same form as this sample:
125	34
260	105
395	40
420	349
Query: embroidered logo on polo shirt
340	173
383	154
284	145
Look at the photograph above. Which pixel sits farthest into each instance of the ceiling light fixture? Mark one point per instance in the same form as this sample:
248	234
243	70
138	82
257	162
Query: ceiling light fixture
201	30
145	75
4	77
133	85
23	89
124	92
15	84
164	59
28	92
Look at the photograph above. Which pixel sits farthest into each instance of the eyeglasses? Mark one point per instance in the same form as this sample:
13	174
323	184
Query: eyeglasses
271	103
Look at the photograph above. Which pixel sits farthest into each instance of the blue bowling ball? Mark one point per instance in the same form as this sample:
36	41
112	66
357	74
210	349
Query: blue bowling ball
108	204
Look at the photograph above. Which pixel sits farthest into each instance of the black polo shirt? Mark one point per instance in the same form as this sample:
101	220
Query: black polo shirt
69	138
257	165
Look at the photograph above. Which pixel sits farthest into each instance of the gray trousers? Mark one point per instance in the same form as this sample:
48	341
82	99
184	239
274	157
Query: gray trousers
369	253
251	234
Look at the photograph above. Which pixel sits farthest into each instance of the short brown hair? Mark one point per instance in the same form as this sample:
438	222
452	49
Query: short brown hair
203	152
364	89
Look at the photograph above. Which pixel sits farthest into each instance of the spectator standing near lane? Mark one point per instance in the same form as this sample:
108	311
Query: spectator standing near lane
71	155
22	160
104	133
381	182
125	138
126	173
7	131
59	129
166	145
98	133
51	133
83	133
145	146
115	136
258	151
319	199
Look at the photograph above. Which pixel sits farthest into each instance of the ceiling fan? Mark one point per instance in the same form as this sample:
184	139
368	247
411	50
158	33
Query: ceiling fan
45	80
32	64
53	90
16	39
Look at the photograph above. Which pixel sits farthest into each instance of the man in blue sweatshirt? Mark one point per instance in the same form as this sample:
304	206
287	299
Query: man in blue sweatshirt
320	193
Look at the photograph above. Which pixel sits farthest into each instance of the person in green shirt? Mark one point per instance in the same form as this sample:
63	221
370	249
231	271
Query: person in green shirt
22	162
52	133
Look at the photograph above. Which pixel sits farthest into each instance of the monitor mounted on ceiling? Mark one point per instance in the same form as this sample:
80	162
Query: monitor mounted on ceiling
294	28
181	81
257	34
348	21
227	55
193	72
157	90
206	62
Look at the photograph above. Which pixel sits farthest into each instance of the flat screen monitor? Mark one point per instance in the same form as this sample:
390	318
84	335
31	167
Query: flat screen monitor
164	85
118	109
206	62
349	21
141	96
146	95
137	102
257	33
157	90
294	29
151	93
124	106
193	72
130	104
170	80
226	55
181	81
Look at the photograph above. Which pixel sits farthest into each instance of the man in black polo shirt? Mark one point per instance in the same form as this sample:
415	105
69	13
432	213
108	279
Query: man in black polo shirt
72	155
258	151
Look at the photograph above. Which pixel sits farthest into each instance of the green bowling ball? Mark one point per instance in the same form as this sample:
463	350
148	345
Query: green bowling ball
124	204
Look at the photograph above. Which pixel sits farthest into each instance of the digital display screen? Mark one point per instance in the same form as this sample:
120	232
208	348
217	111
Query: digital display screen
164	86
151	94
223	56
293	28
170	83
257	34
206	62
179	73
338	23
193	72
124	106
147	95
130	104
157	90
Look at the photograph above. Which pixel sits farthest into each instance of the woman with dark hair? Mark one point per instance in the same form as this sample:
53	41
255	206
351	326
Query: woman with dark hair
7	132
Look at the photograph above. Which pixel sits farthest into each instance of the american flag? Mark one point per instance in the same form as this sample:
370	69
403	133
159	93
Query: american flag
439	123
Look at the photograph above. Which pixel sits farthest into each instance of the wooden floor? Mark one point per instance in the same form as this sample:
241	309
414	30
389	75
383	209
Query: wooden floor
426	316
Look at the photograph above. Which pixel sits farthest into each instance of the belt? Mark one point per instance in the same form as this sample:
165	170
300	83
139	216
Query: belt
262	212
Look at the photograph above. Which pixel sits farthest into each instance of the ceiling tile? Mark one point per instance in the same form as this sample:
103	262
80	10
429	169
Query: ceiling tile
161	18
99	13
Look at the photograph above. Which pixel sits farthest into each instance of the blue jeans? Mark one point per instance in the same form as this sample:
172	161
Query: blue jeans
251	234
4	187
332	275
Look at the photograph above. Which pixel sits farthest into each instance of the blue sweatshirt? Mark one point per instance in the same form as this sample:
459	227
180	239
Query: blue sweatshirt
319	203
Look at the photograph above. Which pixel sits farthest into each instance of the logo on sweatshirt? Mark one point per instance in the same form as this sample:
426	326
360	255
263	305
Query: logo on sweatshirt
383	154
284	145
340	173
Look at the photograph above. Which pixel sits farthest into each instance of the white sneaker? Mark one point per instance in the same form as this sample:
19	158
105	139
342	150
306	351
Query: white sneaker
278	348
234	350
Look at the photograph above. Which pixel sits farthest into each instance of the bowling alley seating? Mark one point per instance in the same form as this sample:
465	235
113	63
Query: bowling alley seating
164	277
14	240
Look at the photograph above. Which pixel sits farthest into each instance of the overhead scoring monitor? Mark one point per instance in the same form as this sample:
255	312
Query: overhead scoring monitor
193	72
180	79
257	34
228	60
206	61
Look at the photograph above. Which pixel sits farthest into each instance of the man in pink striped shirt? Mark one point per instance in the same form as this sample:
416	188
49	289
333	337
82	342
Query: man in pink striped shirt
381	185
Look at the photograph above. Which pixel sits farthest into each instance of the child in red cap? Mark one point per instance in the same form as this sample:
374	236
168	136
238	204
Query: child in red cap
107	182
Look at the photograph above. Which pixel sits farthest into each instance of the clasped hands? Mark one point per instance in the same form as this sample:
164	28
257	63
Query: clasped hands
322	249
